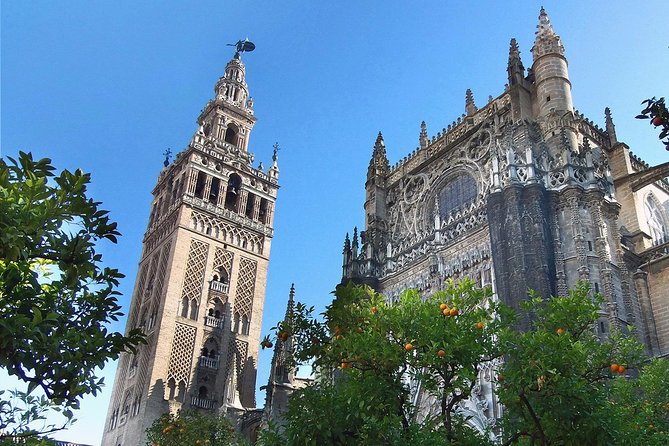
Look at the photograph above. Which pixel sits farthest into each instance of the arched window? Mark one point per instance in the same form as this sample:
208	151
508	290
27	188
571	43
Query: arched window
233	192
457	193
184	307
199	184
172	387
213	190
245	325
193	309
236	327
202	392
181	391
231	134
656	221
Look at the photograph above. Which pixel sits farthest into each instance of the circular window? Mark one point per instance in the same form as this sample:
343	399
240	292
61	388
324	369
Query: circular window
456	194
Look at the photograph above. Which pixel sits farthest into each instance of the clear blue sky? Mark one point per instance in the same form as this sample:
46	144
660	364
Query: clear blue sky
107	86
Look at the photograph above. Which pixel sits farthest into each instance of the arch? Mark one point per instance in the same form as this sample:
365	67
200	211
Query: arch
193	309
213	190
233	192
200	181
245	324
657	221
202	392
184	307
236	326
171	387
231	134
181	391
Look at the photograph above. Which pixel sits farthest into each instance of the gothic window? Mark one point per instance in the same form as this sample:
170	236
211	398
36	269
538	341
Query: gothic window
233	191
231	134
175	190
656	221
213	191
210	349
199	184
456	194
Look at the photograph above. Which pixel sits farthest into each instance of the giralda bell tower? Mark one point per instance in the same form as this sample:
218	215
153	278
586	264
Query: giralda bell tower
201	280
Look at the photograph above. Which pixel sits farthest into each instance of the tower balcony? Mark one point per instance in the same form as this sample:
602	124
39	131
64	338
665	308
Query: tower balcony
214	322
209	363
220	287
202	403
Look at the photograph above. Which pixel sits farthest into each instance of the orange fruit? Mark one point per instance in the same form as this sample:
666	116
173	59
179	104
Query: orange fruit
339	337
479	325
441	353
614	368
446	312
443	306
621	369
337	329
454	312
560	330
657	120
374	310
408	347
500	377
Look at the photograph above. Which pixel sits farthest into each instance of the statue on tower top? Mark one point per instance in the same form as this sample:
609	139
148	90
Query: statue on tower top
242	46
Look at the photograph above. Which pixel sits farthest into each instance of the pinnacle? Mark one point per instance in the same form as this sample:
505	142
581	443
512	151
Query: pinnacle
470	106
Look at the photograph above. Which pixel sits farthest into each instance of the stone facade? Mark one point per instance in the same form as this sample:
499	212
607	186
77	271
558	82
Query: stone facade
522	193
200	286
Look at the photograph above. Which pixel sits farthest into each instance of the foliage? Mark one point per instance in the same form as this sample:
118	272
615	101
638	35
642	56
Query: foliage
637	410
192	428
656	111
377	351
55	297
556	377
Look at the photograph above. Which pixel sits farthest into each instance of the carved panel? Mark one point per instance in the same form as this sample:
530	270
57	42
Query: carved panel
246	280
181	356
194	277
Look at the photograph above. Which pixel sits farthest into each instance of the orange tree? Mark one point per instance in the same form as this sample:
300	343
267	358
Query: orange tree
656	111
192	428
563	384
370	353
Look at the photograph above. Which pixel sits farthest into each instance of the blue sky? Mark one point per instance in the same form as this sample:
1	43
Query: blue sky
108	86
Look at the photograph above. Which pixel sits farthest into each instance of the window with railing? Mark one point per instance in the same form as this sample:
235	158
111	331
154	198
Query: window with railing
214	322
209	362
202	403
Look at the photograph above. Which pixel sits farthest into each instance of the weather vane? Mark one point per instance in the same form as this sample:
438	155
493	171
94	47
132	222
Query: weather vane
275	155
243	46
167	154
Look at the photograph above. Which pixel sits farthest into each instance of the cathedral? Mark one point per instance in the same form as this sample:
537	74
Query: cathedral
200	286
521	193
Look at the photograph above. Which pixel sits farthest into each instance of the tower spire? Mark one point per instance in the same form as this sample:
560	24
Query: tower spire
378	165
546	40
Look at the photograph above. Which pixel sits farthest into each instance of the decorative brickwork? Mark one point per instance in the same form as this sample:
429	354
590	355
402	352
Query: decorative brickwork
181	355
245	287
194	277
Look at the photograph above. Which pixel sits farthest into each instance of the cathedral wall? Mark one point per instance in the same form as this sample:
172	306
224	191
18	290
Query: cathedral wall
658	287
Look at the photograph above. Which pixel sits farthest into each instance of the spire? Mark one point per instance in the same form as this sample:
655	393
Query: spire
422	139
470	107
610	127
274	168
378	165
347	244
515	67
546	41
291	304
